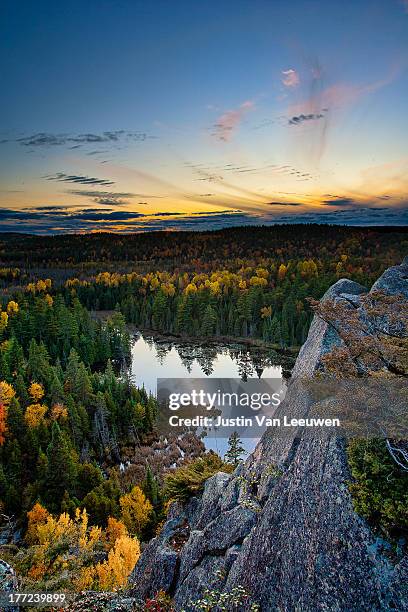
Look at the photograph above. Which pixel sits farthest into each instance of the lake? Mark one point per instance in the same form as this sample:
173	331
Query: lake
154	358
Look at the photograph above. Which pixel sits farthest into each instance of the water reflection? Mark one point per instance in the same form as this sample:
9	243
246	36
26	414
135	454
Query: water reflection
153	359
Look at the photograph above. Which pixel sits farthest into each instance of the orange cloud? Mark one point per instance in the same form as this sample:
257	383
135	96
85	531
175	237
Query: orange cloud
229	122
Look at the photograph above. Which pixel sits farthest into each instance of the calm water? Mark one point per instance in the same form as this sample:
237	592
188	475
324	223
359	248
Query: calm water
153	359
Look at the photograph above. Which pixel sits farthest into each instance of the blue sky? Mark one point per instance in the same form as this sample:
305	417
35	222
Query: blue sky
202	114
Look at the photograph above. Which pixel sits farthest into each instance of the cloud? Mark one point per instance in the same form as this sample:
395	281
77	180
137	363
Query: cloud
53	208
297	120
290	78
110	202
338	201
110	195
166	214
46	139
283	204
77	178
117	215
63	221
228	123
218	212
58	219
405	5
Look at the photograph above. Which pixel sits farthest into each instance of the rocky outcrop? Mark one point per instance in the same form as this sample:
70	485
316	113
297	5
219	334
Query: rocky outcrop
8	584
282	526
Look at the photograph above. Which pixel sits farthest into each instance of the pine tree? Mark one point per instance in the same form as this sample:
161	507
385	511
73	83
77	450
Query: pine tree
209	322
62	468
151	487
235	450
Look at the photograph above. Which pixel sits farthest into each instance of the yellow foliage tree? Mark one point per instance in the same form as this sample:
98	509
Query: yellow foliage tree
257	281
168	289
41	285
136	510
86	578
154	284
282	272
115	571
12	308
6	393
3	424
55	530
262	273
36	391
3	321
35	415
215	288
191	288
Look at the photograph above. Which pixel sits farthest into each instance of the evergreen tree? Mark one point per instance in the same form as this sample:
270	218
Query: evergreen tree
62	468
235	450
151	487
208	325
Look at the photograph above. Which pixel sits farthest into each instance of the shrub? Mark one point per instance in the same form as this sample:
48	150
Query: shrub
380	487
189	479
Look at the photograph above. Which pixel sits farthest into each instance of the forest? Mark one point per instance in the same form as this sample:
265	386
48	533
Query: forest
70	418
232	282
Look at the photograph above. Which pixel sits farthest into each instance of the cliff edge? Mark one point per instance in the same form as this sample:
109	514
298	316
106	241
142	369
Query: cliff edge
282	525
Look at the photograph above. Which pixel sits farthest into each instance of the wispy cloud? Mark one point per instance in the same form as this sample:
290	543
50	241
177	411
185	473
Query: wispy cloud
228	123
47	139
339	201
103	194
111	198
298	119
284	204
77	178
290	78
339	95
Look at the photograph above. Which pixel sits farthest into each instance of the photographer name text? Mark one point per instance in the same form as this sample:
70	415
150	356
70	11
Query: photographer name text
257	420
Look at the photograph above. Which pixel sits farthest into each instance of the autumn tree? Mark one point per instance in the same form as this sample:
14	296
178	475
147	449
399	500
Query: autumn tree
6	395
136	510
115	571
38	515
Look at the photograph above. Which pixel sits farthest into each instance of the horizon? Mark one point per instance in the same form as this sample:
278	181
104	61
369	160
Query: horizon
126	117
213	229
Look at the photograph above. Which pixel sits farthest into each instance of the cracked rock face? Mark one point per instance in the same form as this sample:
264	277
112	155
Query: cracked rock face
291	538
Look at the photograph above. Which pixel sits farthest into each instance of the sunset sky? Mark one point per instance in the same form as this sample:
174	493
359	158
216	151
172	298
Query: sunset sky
126	115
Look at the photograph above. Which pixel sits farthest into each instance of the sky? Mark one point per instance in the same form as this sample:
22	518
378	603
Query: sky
121	115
